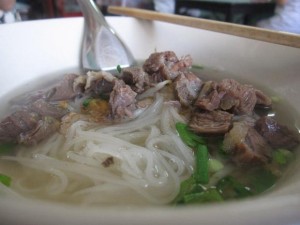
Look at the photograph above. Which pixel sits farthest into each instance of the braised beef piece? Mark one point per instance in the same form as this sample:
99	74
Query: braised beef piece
65	89
40	104
241	98
44	108
277	135
135	77
187	86
27	120
19	121
122	100
165	66
45	127
229	95
211	122
246	146
100	83
209	98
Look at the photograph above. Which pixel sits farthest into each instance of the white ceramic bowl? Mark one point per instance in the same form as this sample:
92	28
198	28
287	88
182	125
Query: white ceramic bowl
32	50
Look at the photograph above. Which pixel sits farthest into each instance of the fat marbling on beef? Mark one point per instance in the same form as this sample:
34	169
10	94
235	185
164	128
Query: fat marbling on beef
211	122
246	146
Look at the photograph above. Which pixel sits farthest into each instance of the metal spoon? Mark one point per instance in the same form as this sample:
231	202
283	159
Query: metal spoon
102	49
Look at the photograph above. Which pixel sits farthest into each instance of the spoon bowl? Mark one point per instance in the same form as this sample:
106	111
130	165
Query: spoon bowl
102	49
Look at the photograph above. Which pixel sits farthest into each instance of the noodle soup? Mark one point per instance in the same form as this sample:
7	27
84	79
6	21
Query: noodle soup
167	138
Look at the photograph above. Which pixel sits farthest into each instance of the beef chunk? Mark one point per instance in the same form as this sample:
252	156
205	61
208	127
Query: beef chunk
45	127
65	89
209	98
262	99
165	65
277	135
136	77
241	97
122	100
246	145
20	121
228	95
27	120
44	108
100	83
187	86
214	122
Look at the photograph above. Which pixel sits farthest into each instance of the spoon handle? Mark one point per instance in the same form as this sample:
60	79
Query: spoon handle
92	15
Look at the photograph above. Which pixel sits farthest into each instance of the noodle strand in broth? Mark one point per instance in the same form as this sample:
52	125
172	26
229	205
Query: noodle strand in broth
148	174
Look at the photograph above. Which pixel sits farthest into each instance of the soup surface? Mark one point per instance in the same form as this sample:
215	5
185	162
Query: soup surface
165	132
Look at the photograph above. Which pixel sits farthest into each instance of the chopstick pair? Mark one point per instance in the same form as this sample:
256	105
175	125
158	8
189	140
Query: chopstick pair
281	38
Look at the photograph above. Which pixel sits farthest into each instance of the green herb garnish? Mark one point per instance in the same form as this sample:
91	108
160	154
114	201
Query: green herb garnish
282	156
119	69
6	147
187	136
197	67
86	102
209	195
231	188
201	173
6	180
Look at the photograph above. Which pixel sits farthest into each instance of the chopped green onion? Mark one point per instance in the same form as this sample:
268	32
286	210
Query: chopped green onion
229	187
197	67
195	137
119	69
201	173
214	165
6	180
188	186
184	135
86	102
209	195
188	137
6	147
275	99
282	156
261	180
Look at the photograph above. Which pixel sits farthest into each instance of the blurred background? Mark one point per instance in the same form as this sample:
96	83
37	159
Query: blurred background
283	15
237	11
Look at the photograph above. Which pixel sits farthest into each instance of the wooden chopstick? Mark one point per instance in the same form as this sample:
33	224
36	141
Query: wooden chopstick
250	32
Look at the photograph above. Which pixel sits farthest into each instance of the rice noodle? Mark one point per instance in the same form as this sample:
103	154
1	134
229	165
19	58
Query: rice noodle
147	172
152	91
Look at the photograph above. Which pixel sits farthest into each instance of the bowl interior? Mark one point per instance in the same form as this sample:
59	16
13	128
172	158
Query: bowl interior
33	51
